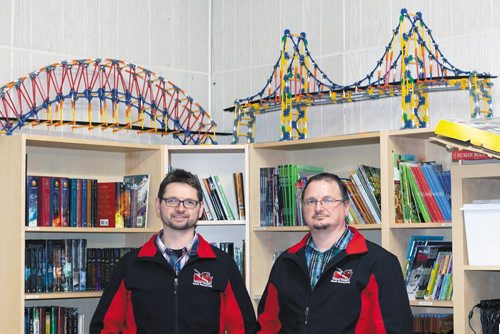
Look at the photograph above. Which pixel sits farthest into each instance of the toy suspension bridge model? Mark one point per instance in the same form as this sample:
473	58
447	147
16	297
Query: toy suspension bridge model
138	100
413	71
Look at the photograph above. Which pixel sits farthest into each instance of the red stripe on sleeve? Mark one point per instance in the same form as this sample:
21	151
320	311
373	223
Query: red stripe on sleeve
269	319
231	318
119	317
370	319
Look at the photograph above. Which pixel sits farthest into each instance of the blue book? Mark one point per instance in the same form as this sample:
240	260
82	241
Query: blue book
31	200
72	211
437	190
84	203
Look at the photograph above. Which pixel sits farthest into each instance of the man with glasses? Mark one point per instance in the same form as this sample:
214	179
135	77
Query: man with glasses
333	280
176	282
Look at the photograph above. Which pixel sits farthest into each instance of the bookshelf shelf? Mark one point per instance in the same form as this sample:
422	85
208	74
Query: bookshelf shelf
63	295
306	229
432	303
481	268
147	230
420	225
221	223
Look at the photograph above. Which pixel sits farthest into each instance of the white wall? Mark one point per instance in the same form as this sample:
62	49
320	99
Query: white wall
171	38
346	38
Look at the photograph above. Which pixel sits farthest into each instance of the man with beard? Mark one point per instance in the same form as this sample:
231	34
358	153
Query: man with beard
176	282
333	280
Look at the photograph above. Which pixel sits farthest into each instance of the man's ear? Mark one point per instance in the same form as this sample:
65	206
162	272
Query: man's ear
201	210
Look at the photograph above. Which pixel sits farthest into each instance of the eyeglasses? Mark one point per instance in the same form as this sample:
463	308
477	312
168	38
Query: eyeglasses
326	202
174	202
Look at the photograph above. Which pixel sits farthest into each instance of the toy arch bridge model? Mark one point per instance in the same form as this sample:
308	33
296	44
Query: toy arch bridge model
129	97
411	66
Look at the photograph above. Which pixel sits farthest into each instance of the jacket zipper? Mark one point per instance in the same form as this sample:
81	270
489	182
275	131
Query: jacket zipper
306	312
176	307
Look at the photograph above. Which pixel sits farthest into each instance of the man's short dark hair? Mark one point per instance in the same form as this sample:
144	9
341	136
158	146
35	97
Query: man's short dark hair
181	176
330	177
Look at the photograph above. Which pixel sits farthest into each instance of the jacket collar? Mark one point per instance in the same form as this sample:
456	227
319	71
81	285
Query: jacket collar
357	245
149	249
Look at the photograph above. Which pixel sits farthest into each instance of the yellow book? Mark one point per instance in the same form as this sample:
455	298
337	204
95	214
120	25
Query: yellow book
482	132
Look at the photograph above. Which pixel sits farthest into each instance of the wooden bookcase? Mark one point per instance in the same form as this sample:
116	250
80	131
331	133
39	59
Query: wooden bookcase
340	154
107	161
223	161
337	154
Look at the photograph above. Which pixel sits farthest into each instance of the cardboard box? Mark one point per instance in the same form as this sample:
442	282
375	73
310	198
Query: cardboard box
482	232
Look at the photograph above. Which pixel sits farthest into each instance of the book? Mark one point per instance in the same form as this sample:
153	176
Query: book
222	195
480	132
139	185
44	201
65	202
240	194
461	154
31	200
106	210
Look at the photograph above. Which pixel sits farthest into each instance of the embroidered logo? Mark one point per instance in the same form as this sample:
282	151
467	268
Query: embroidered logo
342	276
202	279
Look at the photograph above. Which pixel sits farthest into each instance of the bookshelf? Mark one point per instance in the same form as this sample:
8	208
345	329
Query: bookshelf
334	154
471	283
340	154
76	158
223	161
396	235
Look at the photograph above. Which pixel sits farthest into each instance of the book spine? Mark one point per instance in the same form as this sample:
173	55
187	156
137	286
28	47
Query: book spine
457	155
31	200
225	202
44	202
240	194
65	202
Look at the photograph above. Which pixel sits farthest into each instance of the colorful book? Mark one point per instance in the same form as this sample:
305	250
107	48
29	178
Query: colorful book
31	200
240	194
139	184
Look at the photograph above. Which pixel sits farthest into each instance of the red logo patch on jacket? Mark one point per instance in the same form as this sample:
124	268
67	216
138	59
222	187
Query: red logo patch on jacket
202	279
342	276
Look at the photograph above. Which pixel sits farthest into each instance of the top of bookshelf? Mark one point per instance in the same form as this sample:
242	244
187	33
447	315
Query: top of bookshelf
323	142
85	144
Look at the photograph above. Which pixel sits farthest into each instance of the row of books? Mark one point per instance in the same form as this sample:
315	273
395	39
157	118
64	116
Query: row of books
280	194
363	188
73	202
68	265
237	253
53	320
429	268
281	190
433	323
422	190
217	204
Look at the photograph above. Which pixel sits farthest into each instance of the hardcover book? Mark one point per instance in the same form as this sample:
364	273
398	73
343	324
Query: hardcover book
482	132
106	193
31	200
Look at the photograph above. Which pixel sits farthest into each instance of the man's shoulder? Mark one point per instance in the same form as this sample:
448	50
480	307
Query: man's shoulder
378	251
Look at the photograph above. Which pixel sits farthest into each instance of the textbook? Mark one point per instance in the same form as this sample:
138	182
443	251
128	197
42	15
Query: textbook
481	132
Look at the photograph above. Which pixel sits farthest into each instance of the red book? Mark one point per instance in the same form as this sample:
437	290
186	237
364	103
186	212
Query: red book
106	204
44	201
457	155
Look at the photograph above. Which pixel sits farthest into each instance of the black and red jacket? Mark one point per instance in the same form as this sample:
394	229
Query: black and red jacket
146	296
361	291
